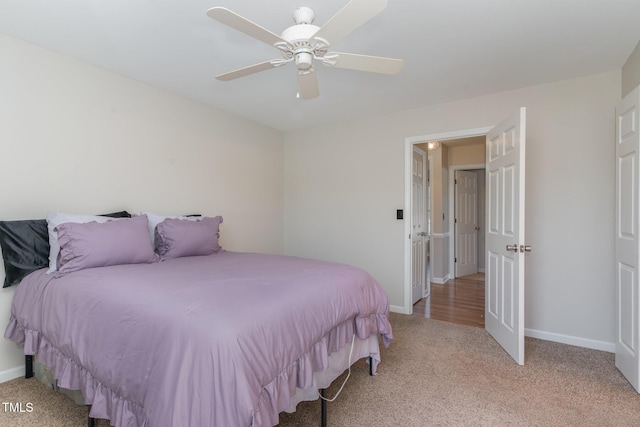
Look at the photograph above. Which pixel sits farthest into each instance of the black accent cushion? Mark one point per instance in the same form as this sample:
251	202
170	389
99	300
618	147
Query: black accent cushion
120	214
25	246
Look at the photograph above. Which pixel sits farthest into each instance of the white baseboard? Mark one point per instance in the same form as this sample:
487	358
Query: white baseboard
567	339
481	270
439	280
397	309
11	374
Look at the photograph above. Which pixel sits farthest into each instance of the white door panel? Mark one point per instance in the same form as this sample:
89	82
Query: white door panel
418	224
627	239
504	287
466	223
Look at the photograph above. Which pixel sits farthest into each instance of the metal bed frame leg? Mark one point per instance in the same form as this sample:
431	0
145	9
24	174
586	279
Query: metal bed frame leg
323	408
323	403
28	366
91	422
28	373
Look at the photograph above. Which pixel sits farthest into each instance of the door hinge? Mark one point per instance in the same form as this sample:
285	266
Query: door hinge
455	181
455	260
455	220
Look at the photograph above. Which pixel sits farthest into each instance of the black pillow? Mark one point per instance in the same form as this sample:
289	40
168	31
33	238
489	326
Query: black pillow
121	214
25	246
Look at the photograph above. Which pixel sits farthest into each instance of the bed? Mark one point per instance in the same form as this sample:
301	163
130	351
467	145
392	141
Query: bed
215	339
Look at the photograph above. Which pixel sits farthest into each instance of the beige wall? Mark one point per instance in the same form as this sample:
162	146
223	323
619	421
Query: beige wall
439	158
341	206
473	154
78	139
631	72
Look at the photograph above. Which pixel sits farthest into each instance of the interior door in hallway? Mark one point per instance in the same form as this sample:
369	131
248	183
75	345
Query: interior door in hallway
505	245
627	239
418	224
466	223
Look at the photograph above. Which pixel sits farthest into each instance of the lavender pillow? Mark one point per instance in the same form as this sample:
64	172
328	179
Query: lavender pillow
56	218
179	237
155	219
95	244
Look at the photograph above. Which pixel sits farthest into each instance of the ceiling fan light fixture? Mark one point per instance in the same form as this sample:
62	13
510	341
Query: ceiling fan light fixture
304	60
433	145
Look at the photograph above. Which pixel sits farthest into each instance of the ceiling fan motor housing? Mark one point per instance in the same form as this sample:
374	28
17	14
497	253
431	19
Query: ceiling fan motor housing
299	33
301	45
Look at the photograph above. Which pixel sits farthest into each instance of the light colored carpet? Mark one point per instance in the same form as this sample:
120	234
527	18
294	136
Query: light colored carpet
433	374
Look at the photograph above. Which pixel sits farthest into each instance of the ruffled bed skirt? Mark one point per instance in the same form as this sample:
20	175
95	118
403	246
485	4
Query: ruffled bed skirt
45	377
299	381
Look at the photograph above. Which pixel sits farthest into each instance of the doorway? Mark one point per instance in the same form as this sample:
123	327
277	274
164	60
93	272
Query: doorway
458	300
457	260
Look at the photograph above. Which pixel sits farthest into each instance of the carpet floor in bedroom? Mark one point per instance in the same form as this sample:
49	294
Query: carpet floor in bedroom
433	374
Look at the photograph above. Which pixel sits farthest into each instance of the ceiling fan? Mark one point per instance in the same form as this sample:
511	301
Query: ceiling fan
304	43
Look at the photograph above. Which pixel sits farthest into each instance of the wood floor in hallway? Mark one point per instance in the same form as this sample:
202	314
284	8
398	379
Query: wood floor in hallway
460	301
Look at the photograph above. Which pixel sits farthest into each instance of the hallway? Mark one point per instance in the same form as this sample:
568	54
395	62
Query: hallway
460	301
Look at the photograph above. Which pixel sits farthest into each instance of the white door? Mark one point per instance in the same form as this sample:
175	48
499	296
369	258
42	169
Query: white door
418	224
627	240
466	223
504	281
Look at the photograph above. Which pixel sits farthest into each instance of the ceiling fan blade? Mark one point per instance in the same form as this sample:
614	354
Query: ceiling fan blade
372	64
308	85
350	17
242	24
245	71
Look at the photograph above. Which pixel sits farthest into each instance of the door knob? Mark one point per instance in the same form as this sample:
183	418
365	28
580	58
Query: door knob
525	248
513	248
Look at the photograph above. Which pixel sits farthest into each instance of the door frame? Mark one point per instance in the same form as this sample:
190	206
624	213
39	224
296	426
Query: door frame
452	193
408	158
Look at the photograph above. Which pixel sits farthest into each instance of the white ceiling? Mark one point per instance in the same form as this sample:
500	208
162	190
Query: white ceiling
453	49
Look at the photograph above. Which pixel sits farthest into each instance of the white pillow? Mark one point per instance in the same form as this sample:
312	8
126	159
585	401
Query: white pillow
56	218
155	219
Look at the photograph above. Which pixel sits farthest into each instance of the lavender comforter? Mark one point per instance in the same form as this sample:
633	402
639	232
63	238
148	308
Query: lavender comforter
220	340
